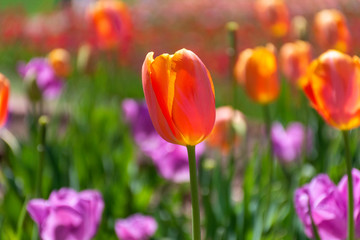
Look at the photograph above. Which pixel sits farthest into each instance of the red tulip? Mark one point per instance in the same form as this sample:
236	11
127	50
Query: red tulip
4	97
333	88
295	58
180	96
273	16
331	31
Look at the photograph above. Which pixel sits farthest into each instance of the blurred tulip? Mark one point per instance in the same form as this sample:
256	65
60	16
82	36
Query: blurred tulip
67	215
260	74
273	16
135	227
111	23
170	159
328	210
240	66
4	98
343	188
333	88
229	128
331	30
59	59
41	79
295	58
180	96
288	144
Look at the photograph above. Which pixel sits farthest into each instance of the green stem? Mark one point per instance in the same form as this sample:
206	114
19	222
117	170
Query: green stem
232	28
350	187
267	120
43	121
196	231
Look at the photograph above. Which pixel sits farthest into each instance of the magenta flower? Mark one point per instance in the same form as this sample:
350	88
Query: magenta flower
67	215
343	189
39	69
170	159
327	205
135	227
288	144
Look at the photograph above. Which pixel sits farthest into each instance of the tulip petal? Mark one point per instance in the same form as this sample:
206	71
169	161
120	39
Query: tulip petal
193	110
157	104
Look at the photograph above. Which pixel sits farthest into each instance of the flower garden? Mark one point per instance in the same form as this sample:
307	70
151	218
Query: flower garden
152	119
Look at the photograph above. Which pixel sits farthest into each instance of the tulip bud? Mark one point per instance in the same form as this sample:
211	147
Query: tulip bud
273	16
180	96
260	74
111	22
59	59
332	86
331	31
229	127
295	58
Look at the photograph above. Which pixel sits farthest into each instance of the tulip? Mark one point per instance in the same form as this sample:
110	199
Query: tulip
325	203
273	16
41	79
59	59
239	69
288	144
294	59
229	127
4	98
332	86
180	96
67	215
135	227
260	74
331	31
343	188
111	23
170	159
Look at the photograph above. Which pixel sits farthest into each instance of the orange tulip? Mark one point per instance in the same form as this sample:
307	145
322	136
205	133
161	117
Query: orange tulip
295	58
331	31
59	59
4	97
111	22
333	88
273	16
261	80
180	96
229	127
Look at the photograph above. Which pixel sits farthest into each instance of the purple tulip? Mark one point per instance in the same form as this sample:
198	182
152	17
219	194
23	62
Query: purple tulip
328	208
289	144
67	215
343	189
135	227
170	159
39	69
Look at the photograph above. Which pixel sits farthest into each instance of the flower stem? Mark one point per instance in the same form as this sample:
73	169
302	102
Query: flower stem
267	120
232	28
43	121
196	231
350	187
